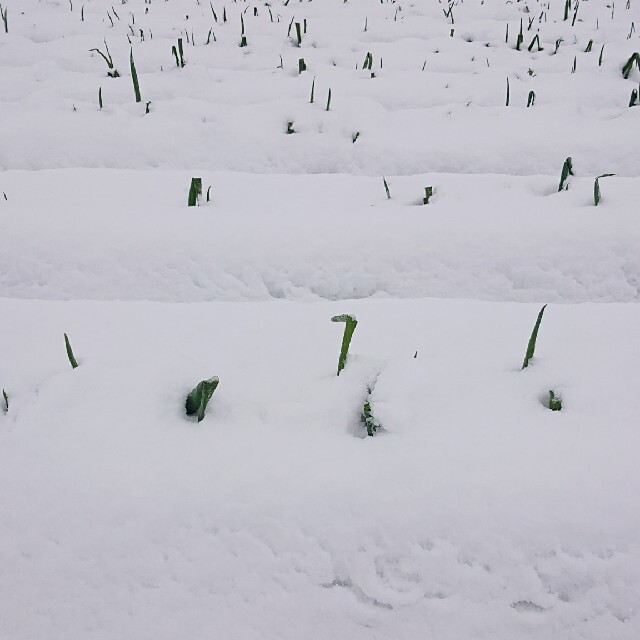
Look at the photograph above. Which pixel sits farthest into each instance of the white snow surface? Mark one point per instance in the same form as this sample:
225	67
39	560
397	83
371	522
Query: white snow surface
474	511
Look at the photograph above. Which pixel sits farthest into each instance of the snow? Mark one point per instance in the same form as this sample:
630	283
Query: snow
474	511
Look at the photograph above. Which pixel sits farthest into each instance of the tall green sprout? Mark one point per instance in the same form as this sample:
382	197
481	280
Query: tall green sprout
72	359
134	78
350	326
531	347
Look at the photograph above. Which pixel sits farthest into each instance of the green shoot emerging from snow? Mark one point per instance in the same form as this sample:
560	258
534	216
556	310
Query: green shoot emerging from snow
198	399
628	66
72	359
428	192
195	191
555	402
350	326
113	72
596	188
567	170
134	78
367	419
5	397
531	347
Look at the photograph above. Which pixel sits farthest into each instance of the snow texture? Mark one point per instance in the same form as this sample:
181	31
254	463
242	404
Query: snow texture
474	511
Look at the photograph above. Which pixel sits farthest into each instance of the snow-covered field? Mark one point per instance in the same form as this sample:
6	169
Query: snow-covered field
474	511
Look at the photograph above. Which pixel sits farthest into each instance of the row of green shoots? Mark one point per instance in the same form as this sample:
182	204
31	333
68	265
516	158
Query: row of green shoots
198	399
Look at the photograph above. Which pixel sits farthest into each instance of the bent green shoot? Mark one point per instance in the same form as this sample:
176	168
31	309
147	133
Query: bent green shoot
350	326
567	170
597	196
197	401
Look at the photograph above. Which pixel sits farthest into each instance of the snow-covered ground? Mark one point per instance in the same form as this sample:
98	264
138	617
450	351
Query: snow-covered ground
474	511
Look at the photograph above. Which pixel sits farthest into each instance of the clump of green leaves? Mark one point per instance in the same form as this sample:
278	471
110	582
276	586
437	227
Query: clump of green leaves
531	347
567	170
112	71
290	128
428	192
178	54
72	359
555	402
198	399
367	419
597	196
350	326
195	191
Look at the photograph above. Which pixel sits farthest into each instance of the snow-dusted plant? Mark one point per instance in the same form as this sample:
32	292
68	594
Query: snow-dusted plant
555	402
567	170
195	191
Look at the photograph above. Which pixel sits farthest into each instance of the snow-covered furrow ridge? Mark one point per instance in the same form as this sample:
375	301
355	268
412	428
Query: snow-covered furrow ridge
129	235
476	513
437	102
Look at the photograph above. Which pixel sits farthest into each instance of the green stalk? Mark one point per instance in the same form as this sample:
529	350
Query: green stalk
567	170
195	191
134	77
350	326
72	359
531	347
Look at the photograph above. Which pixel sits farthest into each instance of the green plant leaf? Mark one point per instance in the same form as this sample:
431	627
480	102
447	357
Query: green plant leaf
198	399
350	326
531	347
